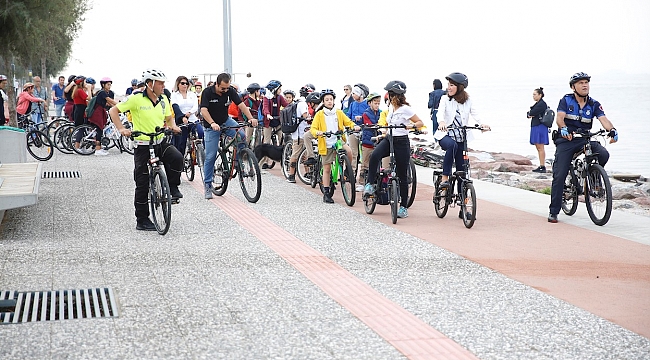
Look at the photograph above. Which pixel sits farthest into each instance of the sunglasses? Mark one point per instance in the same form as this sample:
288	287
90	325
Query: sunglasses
183	83
346	89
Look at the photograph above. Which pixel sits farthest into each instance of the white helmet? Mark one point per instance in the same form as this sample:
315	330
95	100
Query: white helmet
153	74
194	77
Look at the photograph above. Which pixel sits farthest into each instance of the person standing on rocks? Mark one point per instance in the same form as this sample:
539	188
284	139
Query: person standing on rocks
434	101
538	131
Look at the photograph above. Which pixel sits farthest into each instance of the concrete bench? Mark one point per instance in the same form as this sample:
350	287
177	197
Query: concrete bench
19	185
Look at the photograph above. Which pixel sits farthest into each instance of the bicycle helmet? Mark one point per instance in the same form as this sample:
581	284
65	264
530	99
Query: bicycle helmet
327	92
396	86
313	97
198	83
386	98
105	80
79	79
3	78
253	87
90	81
134	82
273	85
71	78
153	74
458	79
577	77
289	92
372	96
306	90
363	88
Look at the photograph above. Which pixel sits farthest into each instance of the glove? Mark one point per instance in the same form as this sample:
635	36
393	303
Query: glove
564	131
613	133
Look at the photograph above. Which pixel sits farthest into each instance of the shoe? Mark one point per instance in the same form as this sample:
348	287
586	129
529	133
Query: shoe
101	152
175	193
368	189
271	166
208	191
328	199
444	185
540	169
310	161
292	179
265	166
468	215
402	212
359	188
145	225
552	218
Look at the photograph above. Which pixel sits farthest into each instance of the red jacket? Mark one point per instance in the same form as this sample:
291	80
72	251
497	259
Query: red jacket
278	103
24	102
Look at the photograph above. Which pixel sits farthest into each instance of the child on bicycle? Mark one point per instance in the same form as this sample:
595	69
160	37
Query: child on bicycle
370	117
400	113
329	119
298	136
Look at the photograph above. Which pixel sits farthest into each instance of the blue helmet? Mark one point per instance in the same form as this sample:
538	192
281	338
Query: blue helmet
135	82
90	81
273	85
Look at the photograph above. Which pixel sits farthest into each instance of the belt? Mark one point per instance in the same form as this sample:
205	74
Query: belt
146	142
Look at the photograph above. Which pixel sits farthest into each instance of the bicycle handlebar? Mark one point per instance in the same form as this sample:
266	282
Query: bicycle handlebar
465	127
158	131
587	134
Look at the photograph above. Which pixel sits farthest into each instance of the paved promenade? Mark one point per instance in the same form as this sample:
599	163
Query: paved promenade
292	278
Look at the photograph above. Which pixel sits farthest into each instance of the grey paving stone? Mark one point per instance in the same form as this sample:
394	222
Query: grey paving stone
26	341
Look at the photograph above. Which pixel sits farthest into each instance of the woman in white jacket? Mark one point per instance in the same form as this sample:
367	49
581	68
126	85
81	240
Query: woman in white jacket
185	105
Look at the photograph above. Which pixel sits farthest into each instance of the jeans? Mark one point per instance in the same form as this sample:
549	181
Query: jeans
402	162
173	163
564	150
454	152
211	141
180	140
37	117
58	108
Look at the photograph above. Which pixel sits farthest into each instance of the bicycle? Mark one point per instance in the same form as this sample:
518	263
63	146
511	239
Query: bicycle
39	145
111	137
194	154
390	193
160	198
232	161
445	197
341	170
587	177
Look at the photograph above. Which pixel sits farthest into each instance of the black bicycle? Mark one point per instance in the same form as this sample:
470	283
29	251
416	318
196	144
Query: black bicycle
160	199
465	197
586	177
39	144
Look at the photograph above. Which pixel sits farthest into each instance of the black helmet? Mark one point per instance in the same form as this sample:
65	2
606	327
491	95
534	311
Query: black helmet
577	77
365	89
396	86
253	88
327	92
71	78
305	90
314	97
458	79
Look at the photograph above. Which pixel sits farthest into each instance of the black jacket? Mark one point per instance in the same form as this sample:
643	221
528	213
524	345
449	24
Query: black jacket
537	112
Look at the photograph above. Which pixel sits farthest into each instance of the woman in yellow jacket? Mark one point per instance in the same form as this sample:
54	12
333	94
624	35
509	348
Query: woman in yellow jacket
329	119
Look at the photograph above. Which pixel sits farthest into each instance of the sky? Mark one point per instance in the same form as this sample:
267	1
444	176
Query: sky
337	42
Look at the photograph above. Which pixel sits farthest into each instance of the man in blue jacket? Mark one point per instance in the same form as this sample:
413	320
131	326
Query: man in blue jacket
434	101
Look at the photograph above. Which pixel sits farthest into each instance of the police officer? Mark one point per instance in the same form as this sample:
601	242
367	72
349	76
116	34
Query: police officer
575	112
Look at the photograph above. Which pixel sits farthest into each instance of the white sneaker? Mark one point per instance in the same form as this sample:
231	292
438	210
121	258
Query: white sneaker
101	152
359	187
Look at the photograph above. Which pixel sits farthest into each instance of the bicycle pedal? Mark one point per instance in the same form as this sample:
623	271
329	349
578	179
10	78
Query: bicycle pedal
176	201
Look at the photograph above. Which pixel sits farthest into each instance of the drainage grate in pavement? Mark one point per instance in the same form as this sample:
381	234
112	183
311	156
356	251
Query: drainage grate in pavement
57	305
61	175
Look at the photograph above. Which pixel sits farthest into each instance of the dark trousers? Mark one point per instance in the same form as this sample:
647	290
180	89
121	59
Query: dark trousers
180	140
453	154
173	162
402	162
564	150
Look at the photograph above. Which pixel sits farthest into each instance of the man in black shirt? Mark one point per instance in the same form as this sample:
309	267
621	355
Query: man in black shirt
214	108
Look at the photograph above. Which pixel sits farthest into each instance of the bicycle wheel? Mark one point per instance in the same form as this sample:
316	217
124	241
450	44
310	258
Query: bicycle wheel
370	201
188	164
440	198
570	193
320	178
286	156
250	177
412	179
85	134
126	144
200	158
160	201
221	175
53	126
61	136
468	204
393	186
598	195
303	171
346	179
39	145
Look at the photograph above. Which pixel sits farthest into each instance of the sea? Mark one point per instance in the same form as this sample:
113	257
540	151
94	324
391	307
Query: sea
504	107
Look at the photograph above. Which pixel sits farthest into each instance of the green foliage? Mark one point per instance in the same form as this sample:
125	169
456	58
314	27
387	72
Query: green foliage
546	190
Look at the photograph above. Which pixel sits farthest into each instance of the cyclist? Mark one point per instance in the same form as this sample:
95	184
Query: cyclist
314	103
134	85
575	112
253	101
104	102
214	108
356	108
68	109
329	119
185	105
272	102
456	110
289	95
370	118
298	136
400	113
150	110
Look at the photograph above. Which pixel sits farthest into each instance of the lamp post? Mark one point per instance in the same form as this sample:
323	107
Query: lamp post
227	38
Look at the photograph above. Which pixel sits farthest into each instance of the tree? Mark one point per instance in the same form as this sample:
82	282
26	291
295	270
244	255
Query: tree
38	32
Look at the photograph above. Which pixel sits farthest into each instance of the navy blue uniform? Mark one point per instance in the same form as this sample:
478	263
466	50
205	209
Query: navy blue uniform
575	119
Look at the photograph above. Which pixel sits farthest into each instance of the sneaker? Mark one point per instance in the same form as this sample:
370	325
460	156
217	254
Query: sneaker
552	218
468	215
175	193
101	152
368	189
540	169
310	161
444	185
208	191
328	199
145	225
402	212
359	188
265	166
292	179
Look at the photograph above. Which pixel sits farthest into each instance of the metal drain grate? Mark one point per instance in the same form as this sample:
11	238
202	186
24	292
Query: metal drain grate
61	175
58	305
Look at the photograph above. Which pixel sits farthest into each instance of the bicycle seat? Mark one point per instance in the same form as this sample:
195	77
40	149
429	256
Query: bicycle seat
437	172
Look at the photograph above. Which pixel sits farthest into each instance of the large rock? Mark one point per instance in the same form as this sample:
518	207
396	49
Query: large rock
514	158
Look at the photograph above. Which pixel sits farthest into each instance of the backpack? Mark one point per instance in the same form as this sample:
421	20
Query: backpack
90	109
289	119
548	117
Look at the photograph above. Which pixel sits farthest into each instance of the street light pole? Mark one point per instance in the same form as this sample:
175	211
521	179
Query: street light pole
227	38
